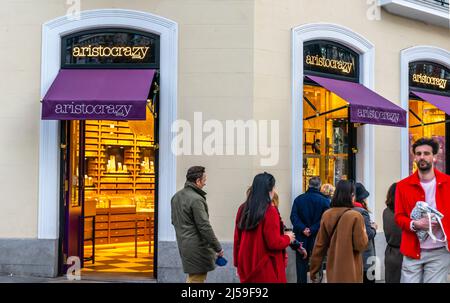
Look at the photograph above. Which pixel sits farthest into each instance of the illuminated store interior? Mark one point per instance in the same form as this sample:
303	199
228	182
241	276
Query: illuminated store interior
325	134
118	196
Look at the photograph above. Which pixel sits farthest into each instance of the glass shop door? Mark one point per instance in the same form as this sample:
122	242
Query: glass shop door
72	192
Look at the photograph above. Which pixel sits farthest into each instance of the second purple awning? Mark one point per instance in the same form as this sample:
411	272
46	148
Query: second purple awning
98	94
441	102
366	106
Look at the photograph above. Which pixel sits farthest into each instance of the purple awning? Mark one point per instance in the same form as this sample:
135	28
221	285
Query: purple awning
441	102
366	106
98	94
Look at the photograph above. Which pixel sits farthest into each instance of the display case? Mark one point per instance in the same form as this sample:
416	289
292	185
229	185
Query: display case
118	161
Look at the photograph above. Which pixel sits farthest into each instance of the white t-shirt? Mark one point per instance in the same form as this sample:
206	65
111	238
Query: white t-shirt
430	197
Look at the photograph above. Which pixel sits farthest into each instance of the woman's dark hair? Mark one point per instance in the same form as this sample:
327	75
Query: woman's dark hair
426	141
343	196
258	200
390	197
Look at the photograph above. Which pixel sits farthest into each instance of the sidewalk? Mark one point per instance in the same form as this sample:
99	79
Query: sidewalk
30	279
85	278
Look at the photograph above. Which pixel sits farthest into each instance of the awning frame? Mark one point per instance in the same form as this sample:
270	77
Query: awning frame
98	94
359	98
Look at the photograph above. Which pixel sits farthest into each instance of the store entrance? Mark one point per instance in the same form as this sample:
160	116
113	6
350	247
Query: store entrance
329	138
109	172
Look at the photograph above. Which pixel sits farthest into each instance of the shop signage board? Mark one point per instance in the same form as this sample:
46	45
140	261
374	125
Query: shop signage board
335	60
110	48
429	76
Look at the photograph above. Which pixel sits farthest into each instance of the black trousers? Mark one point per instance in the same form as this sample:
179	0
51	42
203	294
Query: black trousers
302	266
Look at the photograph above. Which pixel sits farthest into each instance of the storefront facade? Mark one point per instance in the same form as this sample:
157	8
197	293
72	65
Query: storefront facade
419	65
246	58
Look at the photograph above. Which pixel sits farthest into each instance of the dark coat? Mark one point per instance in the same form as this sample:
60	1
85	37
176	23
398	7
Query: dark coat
371	233
259	254
196	240
393	259
307	211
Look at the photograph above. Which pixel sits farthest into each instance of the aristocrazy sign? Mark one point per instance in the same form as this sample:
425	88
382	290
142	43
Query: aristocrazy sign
67	110
110	48
330	58
340	65
429	76
135	52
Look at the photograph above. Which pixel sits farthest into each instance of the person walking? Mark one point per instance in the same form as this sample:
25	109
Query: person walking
259	238
425	260
369	254
306	213
197	243
342	237
392	257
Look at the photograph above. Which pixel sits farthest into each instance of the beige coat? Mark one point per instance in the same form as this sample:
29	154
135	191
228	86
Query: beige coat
344	253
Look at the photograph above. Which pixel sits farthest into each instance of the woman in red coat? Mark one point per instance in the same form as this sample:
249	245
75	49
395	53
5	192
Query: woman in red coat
259	239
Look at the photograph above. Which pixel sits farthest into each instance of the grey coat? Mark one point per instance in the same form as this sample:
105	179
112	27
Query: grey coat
196	240
393	259
371	233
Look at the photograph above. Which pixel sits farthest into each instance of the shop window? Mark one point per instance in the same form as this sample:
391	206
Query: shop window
326	136
426	120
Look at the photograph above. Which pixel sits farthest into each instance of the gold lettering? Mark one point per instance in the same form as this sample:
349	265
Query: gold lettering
137	52
341	65
76	52
89	51
84	49
120	51
433	81
334	62
115	51
348	67
145	51
109	52
127	52
95	52
308	59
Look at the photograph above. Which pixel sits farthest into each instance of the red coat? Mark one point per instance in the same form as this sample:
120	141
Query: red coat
408	192
258	253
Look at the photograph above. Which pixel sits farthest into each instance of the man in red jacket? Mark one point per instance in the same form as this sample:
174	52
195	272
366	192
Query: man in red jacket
425	261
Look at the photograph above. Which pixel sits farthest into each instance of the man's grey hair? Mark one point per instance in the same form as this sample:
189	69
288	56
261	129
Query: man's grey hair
315	182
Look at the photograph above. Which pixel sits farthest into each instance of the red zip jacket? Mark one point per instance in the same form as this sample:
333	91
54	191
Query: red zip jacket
408	192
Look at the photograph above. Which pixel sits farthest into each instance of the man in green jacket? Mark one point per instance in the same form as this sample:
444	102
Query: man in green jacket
196	240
